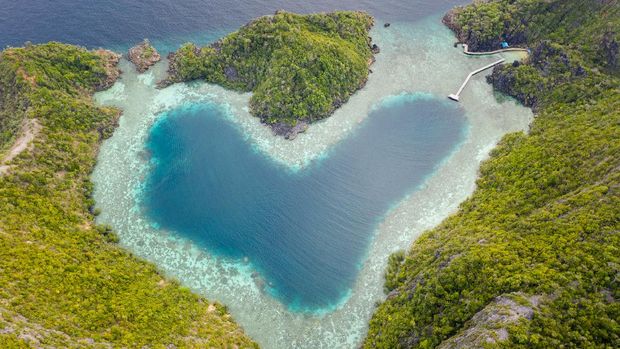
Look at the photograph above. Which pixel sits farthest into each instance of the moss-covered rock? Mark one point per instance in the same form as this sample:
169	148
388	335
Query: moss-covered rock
490	325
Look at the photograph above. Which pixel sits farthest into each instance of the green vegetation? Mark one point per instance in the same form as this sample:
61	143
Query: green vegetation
63	282
148	52
589	28
545	217
300	67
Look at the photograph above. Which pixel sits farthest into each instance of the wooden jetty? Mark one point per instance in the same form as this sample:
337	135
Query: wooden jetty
455	97
509	49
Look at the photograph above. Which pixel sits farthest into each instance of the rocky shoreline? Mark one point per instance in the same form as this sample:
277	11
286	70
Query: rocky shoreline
475	41
172	73
285	130
143	56
112	71
546	58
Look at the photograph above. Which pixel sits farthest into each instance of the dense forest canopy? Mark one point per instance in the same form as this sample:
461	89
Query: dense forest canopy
63	280
532	259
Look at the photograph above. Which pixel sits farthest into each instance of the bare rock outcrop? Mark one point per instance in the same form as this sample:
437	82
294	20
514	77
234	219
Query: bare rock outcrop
289	132
610	49
143	56
490	324
112	72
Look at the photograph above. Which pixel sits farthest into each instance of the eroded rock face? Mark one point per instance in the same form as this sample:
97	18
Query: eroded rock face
287	131
112	72
143	56
490	325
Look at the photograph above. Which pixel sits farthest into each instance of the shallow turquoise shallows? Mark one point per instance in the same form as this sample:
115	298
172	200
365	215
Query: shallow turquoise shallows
305	232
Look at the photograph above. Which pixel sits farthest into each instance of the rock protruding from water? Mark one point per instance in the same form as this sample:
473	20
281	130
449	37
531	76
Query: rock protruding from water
143	56
481	40
282	98
172	74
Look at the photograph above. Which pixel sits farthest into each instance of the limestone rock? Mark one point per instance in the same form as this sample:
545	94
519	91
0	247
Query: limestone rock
289	132
112	72
490	324
143	56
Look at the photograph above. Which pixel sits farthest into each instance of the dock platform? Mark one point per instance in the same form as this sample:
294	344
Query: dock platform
456	96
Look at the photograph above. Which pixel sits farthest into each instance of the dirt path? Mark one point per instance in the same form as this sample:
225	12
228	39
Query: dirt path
29	131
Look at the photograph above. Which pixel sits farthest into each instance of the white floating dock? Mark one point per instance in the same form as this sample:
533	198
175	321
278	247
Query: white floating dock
455	97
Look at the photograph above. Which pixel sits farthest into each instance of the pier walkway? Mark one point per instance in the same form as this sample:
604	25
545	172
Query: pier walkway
510	49
456	96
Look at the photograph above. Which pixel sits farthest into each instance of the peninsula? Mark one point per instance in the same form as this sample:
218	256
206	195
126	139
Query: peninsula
64	280
531	259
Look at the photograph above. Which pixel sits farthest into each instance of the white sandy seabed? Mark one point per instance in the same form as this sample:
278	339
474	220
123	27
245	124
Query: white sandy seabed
415	58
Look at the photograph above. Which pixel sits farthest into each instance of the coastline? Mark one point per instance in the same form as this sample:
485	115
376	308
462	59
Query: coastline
414	58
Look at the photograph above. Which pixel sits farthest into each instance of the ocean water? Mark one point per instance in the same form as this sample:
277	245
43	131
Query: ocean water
120	23
304	231
388	165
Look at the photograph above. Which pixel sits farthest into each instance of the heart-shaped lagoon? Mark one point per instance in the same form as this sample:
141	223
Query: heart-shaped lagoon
305	232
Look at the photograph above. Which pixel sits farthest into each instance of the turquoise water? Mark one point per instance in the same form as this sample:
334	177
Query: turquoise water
306	232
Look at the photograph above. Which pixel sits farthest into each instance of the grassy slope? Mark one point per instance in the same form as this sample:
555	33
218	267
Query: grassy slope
545	217
299	67
63	281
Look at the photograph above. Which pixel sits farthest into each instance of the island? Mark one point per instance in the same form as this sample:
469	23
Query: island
143	56
299	68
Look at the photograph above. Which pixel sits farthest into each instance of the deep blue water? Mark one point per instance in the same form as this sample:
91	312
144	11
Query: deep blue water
117	24
307	231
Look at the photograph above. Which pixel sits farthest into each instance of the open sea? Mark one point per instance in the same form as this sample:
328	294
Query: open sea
119	24
292	236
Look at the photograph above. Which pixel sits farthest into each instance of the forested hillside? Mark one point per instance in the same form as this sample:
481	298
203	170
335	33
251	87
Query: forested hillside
532	259
63	281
